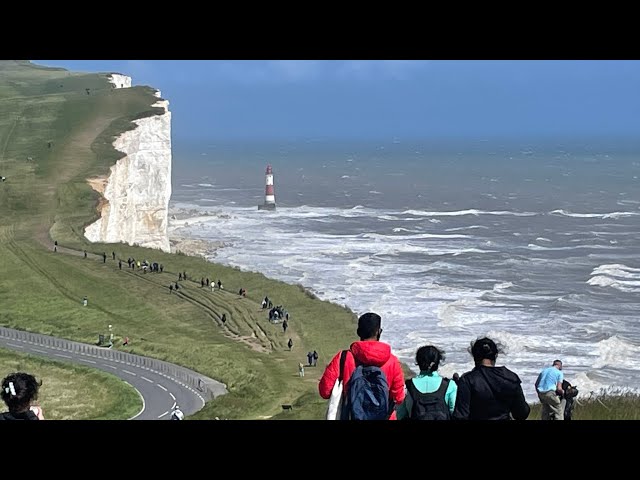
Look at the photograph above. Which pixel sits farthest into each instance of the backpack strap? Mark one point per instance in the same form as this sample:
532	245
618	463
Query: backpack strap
343	357
442	390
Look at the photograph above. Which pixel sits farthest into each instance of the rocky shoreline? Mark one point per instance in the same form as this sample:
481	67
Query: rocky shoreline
187	245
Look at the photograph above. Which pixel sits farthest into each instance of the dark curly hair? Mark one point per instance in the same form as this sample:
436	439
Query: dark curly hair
19	390
429	357
485	348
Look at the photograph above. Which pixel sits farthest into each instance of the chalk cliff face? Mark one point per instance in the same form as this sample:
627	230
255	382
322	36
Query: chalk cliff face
135	195
120	81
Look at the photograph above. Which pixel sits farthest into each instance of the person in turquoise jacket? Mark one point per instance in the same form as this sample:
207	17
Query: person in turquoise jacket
428	380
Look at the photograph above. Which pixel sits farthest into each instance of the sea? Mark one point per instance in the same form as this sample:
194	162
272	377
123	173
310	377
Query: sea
534	243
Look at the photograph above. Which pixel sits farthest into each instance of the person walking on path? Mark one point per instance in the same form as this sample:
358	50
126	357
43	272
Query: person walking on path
488	392
170	288
126	342
315	358
290	344
550	392
85	254
113	254
85	301
224	318
368	351
161	268
104	257
285	325
301	369
120	264
310	358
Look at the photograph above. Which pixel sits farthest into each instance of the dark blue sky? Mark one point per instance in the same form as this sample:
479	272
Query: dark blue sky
404	99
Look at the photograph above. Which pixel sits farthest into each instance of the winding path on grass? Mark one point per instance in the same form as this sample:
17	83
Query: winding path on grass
161	385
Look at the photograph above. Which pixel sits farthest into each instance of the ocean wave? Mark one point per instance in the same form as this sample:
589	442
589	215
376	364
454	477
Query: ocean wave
471	211
603	216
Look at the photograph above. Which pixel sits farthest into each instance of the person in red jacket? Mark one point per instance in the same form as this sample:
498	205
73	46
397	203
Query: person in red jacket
368	351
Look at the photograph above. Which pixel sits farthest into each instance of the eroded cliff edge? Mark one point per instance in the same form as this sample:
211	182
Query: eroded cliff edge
134	205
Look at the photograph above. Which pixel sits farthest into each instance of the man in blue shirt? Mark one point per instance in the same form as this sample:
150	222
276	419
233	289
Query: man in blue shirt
550	393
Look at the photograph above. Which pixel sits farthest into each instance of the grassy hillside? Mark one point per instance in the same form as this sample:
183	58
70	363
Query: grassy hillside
53	136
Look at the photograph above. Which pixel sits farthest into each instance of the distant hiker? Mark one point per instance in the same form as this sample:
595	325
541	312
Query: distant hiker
55	249
56	243
138	264
170	288
224	317
270	304
104	257
310	358
85	254
285	325
48	144
120	264
287	316
113	254
161	268
126	342
301	369
375	356
177	287
264	304
3	178
213	287
208	282
290	344
219	285
315	358
85	301
184	275
202	282
241	291
179	276
429	396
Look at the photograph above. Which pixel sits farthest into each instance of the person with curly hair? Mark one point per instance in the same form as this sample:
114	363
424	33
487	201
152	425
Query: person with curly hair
488	392
19	392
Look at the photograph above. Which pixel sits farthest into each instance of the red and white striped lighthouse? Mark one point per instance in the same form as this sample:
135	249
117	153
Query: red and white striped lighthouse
269	192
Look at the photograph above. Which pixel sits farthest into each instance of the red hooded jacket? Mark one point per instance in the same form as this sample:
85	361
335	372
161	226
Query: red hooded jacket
367	352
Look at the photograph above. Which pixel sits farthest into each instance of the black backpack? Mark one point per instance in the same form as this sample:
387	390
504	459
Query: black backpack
429	406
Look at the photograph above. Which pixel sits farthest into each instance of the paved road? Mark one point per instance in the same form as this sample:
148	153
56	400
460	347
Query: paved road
159	384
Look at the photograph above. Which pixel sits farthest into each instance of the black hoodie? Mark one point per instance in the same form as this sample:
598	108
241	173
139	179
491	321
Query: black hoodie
490	393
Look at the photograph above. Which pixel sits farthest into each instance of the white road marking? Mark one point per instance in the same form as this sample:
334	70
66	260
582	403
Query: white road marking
111	366
172	395
39	351
162	387
165	413
88	361
130	373
63	356
141	397
145	378
14	345
174	405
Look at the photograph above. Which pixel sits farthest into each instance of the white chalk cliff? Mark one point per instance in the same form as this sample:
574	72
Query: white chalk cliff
119	81
135	204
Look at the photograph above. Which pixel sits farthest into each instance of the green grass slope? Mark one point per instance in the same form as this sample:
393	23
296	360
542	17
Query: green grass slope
53	136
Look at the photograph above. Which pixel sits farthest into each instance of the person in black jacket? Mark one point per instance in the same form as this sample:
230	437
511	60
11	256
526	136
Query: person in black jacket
19	391
488	392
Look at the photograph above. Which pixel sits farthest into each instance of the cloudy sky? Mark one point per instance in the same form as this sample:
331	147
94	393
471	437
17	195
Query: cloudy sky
386	99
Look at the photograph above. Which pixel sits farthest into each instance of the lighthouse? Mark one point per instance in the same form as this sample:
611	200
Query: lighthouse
269	194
